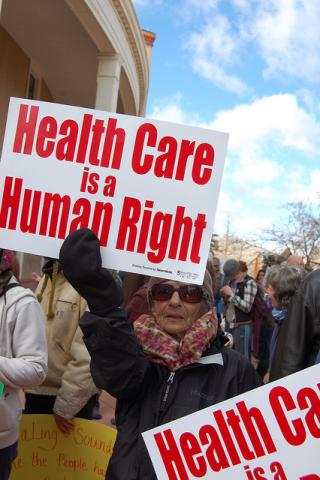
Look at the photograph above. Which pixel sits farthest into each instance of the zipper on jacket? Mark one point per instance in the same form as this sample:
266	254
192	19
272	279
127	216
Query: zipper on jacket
167	390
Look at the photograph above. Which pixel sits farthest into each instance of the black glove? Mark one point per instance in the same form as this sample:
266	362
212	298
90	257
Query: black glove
80	260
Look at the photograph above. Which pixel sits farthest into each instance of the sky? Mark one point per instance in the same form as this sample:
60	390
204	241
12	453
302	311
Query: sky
250	68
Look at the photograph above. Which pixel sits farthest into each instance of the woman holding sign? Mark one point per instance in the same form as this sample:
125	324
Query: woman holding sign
170	364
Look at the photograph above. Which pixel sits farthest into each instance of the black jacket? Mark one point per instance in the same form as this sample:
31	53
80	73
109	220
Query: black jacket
299	339
119	366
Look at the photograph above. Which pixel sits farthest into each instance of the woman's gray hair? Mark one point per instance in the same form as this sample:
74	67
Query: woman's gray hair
285	280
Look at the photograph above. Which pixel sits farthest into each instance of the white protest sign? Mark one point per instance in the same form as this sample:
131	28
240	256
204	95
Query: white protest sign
148	189
272	432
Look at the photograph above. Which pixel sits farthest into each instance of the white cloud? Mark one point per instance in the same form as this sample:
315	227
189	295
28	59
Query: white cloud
227	208
288	34
213	51
227	204
243	221
309	99
277	118
313	191
256	170
170	110
273	145
203	6
250	223
243	5
302	185
276	121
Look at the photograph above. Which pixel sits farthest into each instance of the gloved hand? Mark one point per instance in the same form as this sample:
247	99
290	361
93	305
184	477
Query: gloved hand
80	259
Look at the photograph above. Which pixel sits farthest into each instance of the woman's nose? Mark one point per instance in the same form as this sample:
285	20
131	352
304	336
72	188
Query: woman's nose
175	299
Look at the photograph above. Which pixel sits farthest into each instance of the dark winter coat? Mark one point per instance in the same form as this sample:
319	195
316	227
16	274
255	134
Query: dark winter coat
148	394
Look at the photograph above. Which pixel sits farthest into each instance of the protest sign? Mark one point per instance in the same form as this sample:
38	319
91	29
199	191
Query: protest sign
45	453
272	432
148	189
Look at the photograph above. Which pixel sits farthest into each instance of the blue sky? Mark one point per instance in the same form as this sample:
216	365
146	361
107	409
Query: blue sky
250	68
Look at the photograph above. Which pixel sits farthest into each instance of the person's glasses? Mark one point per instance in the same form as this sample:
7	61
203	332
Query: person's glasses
187	293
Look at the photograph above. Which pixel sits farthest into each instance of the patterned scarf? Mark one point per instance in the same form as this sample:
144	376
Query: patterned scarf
160	347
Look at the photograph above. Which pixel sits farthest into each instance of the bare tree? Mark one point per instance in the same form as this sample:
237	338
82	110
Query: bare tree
214	244
299	232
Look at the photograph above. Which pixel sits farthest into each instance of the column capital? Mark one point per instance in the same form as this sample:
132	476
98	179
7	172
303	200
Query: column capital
109	66
108	80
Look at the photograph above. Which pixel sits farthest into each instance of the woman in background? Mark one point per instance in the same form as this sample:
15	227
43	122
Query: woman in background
282	283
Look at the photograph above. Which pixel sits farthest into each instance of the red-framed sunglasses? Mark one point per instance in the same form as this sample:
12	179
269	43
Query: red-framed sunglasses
187	293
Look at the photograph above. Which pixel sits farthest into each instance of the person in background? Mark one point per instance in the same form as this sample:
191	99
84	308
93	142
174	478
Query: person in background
296	261
131	284
260	277
298	342
261	321
239	294
170	363
68	390
23	355
282	283
214	268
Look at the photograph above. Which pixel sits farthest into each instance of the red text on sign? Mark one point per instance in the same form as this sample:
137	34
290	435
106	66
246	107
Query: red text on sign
234	436
160	235
51	214
295	430
170	159
92	140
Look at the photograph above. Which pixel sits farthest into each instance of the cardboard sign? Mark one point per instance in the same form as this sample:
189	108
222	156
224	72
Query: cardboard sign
45	453
272	432
148	189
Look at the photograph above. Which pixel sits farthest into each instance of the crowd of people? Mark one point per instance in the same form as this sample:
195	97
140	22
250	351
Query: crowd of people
162	348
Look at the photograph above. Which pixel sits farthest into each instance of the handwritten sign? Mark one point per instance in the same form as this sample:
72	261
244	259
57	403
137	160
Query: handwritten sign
270	433
45	453
148	189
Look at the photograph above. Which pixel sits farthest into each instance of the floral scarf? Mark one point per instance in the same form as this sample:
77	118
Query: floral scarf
160	347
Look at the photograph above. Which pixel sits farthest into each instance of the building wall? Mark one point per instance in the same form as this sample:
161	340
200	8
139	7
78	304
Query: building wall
14	77
14	71
45	94
89	51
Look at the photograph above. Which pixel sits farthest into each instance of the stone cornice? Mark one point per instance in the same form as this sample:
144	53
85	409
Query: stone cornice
135	37
114	28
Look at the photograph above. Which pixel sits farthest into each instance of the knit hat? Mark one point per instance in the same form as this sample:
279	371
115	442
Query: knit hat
206	286
230	269
6	260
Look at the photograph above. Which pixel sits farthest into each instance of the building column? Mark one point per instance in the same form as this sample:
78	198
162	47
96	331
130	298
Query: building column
108	79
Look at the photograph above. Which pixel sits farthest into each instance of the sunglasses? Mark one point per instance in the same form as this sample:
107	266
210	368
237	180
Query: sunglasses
187	293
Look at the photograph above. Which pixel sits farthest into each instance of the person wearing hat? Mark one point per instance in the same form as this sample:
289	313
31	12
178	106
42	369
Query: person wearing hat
239	293
23	355
171	362
68	390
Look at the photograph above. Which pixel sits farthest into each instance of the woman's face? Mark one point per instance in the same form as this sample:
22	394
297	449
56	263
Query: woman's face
270	291
260	276
175	316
